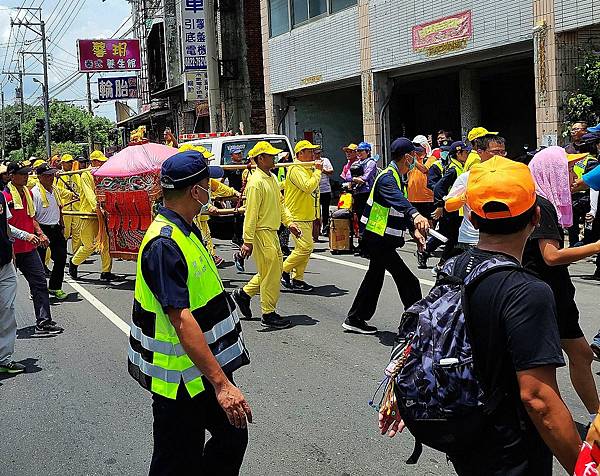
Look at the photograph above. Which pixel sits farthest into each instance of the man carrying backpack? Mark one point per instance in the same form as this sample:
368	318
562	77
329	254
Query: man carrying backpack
486	393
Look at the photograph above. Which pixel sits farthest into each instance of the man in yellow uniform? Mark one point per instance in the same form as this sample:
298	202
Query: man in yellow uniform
90	225
302	201
475	135
68	192
264	215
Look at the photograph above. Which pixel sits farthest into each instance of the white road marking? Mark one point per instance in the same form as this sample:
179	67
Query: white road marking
89	297
350	264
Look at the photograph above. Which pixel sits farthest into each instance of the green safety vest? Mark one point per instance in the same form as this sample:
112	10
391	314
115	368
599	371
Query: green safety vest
157	359
579	167
383	220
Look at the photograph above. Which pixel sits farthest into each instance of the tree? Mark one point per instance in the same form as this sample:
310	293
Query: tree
584	103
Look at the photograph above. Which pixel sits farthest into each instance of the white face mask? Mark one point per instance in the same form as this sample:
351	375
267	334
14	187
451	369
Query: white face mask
204	206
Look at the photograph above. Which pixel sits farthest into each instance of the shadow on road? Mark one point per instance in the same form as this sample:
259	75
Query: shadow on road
71	297
295	320
328	290
31	367
29	333
386	338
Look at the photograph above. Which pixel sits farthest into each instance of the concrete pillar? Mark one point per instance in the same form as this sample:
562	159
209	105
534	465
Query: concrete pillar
470	104
546	77
270	119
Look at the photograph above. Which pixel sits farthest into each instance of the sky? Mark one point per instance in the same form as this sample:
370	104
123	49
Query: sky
66	22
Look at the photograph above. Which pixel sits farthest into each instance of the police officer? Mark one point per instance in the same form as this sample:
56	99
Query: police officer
387	216
185	340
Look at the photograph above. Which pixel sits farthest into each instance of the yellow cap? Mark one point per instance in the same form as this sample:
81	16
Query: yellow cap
478	132
576	157
66	158
263	147
198	148
38	162
98	155
350	147
304	144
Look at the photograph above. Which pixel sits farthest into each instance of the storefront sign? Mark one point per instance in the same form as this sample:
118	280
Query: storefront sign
202	109
108	55
451	31
110	89
311	80
196	86
193	35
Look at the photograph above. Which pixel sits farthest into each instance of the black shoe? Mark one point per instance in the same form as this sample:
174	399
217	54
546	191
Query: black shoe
274	320
422	259
360	327
47	329
72	270
12	367
301	285
286	280
108	276
243	302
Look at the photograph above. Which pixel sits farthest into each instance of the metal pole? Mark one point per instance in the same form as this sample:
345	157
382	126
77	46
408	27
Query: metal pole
3	125
45	90
212	65
22	117
90	110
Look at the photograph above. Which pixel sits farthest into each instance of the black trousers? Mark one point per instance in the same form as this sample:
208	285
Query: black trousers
179	436
325	204
383	257
449	227
32	268
58	252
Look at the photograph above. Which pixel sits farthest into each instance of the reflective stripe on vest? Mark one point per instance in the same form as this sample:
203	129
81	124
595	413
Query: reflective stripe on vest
157	358
579	167
376	216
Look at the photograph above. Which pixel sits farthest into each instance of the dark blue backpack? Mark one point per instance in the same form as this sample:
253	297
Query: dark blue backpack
440	396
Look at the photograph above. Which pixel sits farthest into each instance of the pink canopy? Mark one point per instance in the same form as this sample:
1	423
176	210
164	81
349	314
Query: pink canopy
135	160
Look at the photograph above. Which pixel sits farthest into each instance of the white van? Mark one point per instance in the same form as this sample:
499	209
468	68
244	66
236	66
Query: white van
221	144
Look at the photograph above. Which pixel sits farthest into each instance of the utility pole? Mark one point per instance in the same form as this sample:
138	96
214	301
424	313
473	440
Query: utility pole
91	111
3	124
45	91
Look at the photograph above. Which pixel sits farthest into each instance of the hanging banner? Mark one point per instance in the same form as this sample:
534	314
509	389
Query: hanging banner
110	89
108	55
193	35
448	30
196	86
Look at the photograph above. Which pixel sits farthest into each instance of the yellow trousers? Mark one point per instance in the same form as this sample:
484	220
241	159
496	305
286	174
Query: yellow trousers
88	232
72	230
269	262
205	230
303	247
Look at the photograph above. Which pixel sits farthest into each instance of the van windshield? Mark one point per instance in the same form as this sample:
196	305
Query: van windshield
246	145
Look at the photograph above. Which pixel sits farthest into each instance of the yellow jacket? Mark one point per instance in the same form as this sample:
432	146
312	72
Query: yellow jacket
64	194
302	192
219	190
264	205
87	194
472	160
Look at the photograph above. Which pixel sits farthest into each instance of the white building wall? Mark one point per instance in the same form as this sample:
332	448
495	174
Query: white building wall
328	47
572	14
495	23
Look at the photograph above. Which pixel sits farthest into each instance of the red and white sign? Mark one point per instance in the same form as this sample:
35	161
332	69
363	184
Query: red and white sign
203	135
444	30
109	55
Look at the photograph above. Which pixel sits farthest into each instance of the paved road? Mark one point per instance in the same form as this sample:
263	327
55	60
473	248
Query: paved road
77	411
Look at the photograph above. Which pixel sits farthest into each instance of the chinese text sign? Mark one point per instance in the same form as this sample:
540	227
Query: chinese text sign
108	55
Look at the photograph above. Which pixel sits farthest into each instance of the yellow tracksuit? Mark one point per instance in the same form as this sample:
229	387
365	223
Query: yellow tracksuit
264	214
302	201
72	223
218	190
89	225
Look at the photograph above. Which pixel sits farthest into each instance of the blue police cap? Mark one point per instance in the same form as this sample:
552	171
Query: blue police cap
185	169
402	146
459	146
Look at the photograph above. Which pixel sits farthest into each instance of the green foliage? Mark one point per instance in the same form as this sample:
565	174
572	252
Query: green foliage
584	104
15	155
580	107
69	125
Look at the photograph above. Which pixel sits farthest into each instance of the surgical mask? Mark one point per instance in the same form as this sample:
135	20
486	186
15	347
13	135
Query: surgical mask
204	206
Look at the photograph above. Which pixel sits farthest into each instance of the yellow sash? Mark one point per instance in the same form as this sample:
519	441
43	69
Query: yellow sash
18	203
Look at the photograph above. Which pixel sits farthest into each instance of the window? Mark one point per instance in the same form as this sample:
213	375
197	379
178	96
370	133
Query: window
337	5
279	14
248	144
302	11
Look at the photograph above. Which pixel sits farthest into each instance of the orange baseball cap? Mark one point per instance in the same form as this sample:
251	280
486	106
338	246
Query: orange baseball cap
497	180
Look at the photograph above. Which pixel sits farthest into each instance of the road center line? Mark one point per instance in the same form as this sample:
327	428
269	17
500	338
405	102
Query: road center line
99	305
350	264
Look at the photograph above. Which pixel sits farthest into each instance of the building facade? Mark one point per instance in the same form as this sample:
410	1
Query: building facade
234	67
340	71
